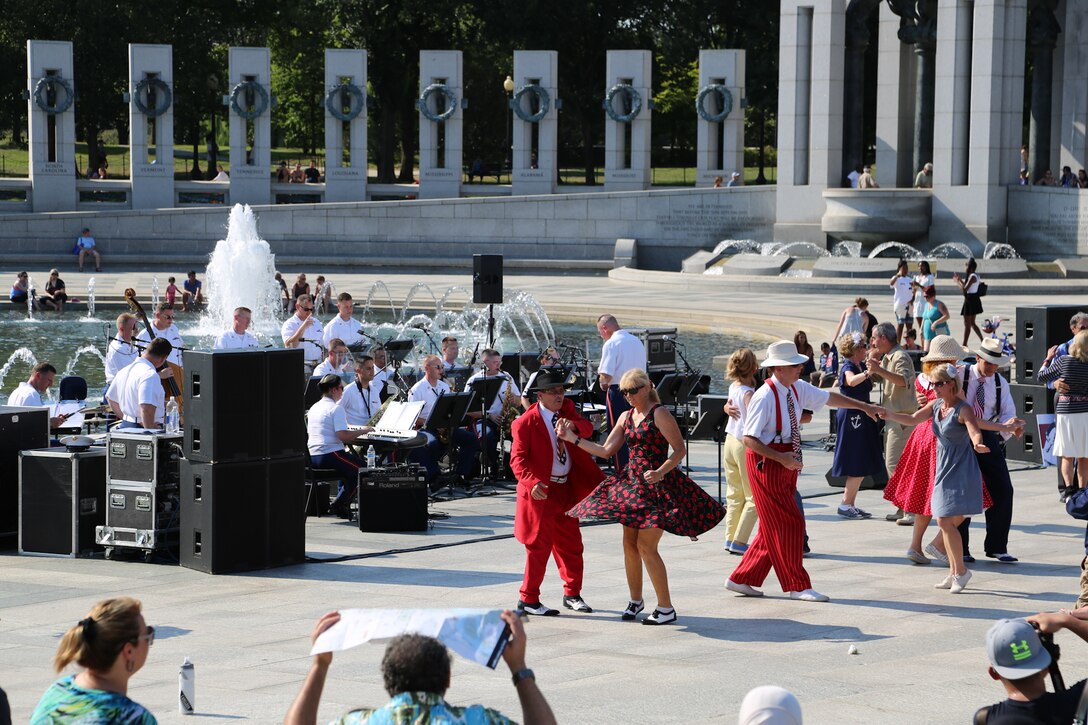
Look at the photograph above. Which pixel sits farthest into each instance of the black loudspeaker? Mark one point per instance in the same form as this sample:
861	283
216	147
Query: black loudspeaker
20	429
393	500
1038	329
285	426
487	279
242	516
878	481
62	498
225	403
1030	401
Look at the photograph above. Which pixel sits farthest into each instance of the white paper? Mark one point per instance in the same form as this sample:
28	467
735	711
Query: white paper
400	417
75	421
477	635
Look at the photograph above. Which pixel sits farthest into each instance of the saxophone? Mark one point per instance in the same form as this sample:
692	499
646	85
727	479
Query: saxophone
381	411
506	421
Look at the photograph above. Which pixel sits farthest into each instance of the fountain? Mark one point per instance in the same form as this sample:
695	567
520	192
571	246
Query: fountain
70	368
155	292
785	249
370	298
901	251
241	273
950	249
846	248
30	297
735	246
23	354
90	300
999	250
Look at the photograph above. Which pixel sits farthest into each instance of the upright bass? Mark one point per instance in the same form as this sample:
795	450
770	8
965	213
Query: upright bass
175	384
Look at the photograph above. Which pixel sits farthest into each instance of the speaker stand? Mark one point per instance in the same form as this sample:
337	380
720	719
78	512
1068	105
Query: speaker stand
491	325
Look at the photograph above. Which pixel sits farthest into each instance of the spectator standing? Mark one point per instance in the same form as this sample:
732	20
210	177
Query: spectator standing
1071	439
866	180
740	517
902	298
1068	180
896	373
171	291
857	444
735	179
934	318
972	300
621	352
854	318
920	282
313	174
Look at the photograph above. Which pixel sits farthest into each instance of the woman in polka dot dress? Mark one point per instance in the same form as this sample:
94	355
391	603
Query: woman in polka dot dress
650	496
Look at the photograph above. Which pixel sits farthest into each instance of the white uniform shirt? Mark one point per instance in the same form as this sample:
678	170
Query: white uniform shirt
25	395
735	426
361	404
620	353
558	469
119	355
322	422
428	393
138	384
760	420
326	367
989	396
311	352
231	340
170	333
347	330
507	384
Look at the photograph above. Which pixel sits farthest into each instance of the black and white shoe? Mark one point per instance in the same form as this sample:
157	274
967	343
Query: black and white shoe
660	617
538	609
633	608
577	604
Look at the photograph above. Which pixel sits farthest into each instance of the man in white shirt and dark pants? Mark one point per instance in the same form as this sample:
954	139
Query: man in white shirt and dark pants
621	352
487	426
162	325
137	395
772	435
304	330
238	337
981	384
327	432
429	390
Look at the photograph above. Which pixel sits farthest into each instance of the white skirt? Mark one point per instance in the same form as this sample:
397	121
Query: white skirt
1071	439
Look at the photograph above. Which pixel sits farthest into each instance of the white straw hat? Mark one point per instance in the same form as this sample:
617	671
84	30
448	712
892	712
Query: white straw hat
943	347
783	352
990	350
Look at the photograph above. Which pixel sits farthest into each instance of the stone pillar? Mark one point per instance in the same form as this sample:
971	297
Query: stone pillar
151	111
1043	30
952	92
250	77
978	209
896	78
720	149
535	167
857	43
345	92
810	102
1072	88
627	143
440	149
52	133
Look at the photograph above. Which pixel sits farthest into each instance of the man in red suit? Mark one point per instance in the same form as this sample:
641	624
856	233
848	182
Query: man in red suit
552	477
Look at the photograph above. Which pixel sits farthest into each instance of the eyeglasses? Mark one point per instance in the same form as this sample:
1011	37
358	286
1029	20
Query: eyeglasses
940	384
307	309
554	391
167	317
150	636
631	391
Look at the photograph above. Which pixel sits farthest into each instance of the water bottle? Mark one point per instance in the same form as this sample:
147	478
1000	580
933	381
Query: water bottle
186	688
371	458
172	424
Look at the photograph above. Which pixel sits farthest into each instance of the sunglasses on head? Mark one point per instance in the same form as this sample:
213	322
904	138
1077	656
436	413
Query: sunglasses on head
631	391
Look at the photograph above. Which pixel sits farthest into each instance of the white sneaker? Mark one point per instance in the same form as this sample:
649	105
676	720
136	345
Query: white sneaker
935	553
945	583
917	557
744	589
959	583
809	595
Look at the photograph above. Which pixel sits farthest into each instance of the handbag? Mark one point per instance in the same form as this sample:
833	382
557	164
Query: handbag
982	289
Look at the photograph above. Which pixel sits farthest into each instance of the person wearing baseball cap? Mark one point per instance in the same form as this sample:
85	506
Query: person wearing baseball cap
1020	661
772	435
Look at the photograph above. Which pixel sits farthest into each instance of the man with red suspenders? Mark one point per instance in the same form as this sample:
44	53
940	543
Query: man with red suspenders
772	435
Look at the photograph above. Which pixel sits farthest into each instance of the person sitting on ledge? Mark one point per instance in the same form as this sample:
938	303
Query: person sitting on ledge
924	179
416	674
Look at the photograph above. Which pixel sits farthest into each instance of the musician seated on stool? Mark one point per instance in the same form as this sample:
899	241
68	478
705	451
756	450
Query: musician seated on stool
463	441
162	325
327	432
337	362
238	337
362	398
29	393
487	428
450	350
137	395
383	373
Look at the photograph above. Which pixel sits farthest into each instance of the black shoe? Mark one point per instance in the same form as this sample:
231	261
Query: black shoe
341	509
633	608
538	609
1005	558
968	559
659	617
577	604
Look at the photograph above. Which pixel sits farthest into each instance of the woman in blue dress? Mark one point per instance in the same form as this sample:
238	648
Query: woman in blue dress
858	451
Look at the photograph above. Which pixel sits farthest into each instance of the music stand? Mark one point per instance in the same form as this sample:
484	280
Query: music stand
456	377
397	350
485	390
448	412
711	426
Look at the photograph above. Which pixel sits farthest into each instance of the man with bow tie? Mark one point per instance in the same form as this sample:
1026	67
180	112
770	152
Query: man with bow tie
552	476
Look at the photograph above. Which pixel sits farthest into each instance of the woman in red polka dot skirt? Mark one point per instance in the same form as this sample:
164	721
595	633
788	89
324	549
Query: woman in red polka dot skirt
650	496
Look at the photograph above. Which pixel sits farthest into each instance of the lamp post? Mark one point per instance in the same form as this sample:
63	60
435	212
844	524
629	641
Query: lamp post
508	89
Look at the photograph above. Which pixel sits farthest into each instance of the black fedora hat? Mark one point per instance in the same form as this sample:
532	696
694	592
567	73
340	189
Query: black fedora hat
548	379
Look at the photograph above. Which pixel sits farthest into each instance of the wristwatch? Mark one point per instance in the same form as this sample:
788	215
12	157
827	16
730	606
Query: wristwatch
523	674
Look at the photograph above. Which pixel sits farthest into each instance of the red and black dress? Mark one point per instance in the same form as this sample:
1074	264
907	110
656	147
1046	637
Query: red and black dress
675	504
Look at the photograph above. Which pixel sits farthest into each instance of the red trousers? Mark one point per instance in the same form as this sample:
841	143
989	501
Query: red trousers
780	537
550	533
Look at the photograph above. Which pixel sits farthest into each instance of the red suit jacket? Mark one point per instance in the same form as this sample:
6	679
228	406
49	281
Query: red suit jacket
531	461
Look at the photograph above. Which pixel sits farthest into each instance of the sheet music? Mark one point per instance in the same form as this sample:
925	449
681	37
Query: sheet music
76	421
400	418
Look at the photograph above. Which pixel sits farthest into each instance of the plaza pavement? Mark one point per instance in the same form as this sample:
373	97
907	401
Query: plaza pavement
920	651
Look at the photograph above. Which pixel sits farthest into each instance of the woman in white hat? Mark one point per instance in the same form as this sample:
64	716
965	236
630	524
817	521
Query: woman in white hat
1071	438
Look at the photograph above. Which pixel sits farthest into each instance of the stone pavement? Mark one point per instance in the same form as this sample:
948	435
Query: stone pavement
920	657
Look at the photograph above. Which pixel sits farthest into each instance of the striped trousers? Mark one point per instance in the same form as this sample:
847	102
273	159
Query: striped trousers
781	533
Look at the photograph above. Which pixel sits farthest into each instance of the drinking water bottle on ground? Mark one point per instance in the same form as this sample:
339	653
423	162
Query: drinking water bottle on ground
371	458
187	688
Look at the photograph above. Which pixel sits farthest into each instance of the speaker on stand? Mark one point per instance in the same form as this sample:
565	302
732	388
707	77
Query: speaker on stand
487	287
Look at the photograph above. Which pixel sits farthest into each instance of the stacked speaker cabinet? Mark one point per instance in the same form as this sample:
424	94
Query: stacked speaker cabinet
62	499
142	507
20	429
242	493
